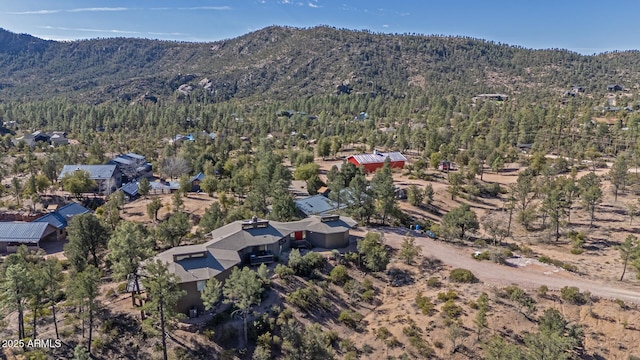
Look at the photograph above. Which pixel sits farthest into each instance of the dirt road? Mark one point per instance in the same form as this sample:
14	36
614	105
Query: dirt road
529	277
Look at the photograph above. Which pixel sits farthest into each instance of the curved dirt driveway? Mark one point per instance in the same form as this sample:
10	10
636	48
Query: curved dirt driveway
530	277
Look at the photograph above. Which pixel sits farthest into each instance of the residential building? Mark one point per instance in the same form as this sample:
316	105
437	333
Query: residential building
319	205
60	218
14	234
107	177
373	162
247	242
132	166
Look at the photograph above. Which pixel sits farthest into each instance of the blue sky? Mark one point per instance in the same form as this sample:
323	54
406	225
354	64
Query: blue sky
586	26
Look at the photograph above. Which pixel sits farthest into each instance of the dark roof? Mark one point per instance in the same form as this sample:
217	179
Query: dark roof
22	232
200	176
130	189
60	218
135	156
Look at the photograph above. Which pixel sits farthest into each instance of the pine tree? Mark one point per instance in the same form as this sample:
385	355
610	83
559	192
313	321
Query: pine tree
384	191
129	245
163	294
243	289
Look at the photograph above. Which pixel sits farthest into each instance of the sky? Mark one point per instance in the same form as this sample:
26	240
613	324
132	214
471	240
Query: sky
583	26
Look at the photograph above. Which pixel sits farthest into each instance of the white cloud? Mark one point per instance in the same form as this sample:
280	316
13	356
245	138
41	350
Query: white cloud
385	26
207	8
164	33
34	12
315	6
56	11
98	9
286	1
113	31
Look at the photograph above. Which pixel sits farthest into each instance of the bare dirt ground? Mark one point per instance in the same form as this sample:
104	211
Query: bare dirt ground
599	266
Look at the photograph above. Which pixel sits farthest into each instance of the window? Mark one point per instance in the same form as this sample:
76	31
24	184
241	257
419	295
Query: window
201	284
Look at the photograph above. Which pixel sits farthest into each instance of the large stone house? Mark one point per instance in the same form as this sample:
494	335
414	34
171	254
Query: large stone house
247	242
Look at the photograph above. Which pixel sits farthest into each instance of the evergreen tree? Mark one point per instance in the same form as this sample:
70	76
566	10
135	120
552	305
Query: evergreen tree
213	218
14	292
144	187
409	250
361	197
283	207
174	229
629	251
153	207
590	193
52	275
618	174
459	221
373	252
84	288
163	294
211	293
243	289
87	237
415	195
384	191
129	245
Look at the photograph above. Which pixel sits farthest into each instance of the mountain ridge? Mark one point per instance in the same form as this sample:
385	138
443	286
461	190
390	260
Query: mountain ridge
284	62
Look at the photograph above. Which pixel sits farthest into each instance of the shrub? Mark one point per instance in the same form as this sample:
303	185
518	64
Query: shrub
110	293
450	310
350	318
433	282
485	255
577	251
382	333
393	342
284	272
308	297
446	296
424	304
122	288
542	290
572	294
347	345
462	276
339	274
367	295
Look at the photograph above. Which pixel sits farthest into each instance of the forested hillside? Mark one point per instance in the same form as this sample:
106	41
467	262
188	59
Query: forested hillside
280	63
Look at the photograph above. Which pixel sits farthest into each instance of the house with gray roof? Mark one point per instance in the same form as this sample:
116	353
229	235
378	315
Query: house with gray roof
108	178
60	218
132	166
14	234
318	205
247	242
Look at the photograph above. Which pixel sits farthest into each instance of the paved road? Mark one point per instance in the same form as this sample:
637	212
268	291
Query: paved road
527	277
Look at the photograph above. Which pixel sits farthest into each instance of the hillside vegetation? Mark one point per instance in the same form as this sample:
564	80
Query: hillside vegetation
279	62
